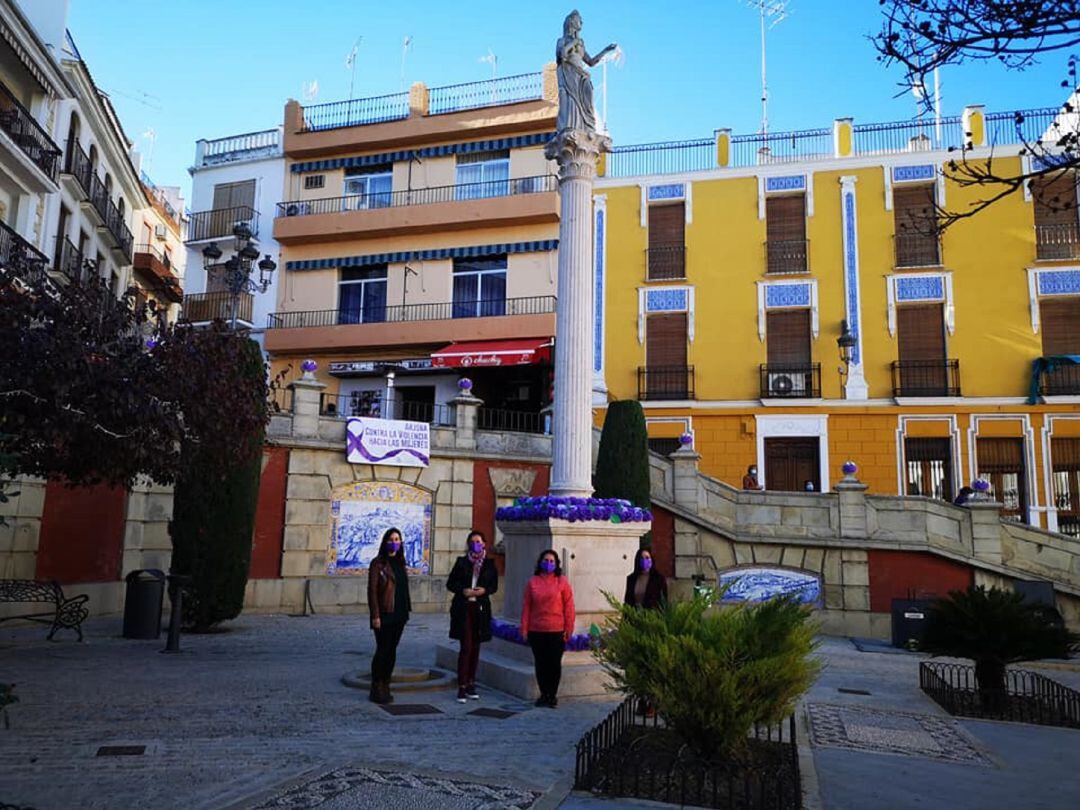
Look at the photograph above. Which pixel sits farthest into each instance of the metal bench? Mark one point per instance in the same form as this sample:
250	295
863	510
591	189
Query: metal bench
65	612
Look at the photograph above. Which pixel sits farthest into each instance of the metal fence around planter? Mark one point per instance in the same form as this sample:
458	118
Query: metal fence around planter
600	767
1028	697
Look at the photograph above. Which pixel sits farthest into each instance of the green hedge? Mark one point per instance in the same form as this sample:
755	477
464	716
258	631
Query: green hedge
622	464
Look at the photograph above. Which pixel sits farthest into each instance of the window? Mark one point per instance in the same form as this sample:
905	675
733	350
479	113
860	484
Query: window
1060	327
483	174
315	181
1001	461
915	222
929	468
666	374
234	195
61	238
362	295
1057	232
788	372
667	242
1066	488
922	369
785	234
368	187
479	287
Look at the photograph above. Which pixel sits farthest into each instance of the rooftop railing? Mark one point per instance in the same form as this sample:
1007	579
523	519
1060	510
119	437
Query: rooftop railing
356	112
490	93
781	147
246	146
671	157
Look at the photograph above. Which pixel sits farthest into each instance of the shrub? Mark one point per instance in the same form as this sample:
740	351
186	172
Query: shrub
994	628
622	463
214	515
713	674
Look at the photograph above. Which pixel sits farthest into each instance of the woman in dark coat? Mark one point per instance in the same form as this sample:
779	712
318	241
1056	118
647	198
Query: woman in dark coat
389	606
472	581
645	587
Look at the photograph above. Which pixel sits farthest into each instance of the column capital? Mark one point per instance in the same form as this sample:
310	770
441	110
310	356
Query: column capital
576	151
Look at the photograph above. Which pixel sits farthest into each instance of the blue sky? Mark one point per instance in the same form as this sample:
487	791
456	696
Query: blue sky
210	68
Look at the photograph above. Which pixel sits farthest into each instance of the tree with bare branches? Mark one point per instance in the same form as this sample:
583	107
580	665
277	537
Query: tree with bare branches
923	35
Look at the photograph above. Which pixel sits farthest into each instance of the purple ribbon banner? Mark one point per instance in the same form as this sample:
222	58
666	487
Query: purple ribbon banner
354	443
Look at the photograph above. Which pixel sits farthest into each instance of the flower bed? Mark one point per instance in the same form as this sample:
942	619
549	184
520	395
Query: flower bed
613	510
508	631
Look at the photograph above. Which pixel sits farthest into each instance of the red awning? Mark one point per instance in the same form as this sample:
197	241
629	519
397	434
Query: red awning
483	353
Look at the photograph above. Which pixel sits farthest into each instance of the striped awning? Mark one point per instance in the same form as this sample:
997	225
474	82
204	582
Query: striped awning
427	151
424	255
19	49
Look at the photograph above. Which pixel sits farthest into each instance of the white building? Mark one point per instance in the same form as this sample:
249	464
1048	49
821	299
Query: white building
239	179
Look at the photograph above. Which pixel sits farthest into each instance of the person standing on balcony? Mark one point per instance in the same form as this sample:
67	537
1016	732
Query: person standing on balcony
389	606
547	621
472	581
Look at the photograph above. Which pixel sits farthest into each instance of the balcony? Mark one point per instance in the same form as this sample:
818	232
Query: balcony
1062	381
218	223
36	158
154	264
446	208
917	250
69	261
19	256
666	262
118	230
787	256
217	306
665	382
926	378
1059	241
790	380
428	324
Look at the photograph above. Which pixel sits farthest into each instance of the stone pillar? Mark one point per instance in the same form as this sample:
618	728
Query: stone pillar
685	478
418	100
576	152
723	147
306	393
843	137
852	495
465	413
974	123
986	530
388	397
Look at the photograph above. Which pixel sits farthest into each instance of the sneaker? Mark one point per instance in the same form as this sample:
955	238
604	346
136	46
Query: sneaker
471	693
461	696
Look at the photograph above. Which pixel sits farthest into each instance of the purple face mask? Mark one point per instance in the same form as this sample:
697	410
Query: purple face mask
392	546
547	565
476	546
646	563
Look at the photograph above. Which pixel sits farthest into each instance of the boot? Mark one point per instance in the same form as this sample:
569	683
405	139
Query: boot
373	694
386	696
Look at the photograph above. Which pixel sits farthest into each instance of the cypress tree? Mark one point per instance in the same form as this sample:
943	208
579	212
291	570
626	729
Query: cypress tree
622	464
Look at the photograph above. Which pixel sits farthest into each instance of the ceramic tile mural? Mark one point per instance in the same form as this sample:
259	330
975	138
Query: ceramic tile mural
795	182
361	512
669	191
762	583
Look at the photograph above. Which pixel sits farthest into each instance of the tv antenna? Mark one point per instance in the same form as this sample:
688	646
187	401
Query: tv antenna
405	45
309	91
770	13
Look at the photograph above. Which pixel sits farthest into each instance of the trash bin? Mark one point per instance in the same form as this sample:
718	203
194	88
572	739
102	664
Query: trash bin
142	603
909	620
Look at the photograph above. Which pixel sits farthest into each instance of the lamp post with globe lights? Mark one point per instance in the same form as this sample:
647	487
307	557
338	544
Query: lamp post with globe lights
238	269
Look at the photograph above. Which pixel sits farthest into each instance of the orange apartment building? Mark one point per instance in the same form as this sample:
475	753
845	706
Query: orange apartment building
418	237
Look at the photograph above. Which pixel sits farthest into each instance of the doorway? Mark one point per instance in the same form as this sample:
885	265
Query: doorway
790	462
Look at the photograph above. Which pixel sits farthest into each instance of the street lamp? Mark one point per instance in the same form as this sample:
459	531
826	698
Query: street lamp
237	270
846	343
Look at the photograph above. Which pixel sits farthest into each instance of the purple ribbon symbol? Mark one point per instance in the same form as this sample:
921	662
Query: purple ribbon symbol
353	443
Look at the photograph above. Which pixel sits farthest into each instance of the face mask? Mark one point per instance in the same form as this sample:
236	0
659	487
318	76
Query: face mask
753	470
392	546
547	565
476	546
646	563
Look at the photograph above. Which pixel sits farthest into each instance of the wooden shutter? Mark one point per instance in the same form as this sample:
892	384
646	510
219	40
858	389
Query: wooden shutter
1000	455
665	340
913	209
1060	325
1065	453
787	335
1055	199
667	224
785	218
234	195
920	332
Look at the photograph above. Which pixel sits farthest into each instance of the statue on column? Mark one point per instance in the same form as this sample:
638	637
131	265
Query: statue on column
572	62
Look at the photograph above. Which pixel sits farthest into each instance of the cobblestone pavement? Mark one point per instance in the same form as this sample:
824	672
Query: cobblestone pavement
240	713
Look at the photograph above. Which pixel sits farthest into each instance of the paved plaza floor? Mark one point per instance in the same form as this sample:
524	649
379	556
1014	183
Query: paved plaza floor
257	717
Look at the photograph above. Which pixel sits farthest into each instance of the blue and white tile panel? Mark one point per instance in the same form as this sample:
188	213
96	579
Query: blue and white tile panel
655	300
599	224
794	182
1048	283
914	174
667	192
786	184
913	288
787	294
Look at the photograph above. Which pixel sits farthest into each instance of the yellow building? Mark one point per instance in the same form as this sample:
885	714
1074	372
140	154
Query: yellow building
418	237
728	267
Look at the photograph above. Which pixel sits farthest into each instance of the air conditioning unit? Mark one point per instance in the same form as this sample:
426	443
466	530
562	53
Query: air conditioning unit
160	233
787	384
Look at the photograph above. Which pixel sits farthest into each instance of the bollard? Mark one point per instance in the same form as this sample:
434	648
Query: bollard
176	597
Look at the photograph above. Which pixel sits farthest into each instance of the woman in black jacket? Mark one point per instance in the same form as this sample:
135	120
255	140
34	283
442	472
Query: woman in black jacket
645	587
472	580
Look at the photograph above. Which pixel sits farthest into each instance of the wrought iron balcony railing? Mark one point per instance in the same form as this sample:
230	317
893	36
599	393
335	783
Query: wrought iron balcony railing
1061	381
419	196
356	112
219	222
69	260
490	93
511	421
666	262
27	134
1057	241
216	306
665	382
917	250
926	378
19	256
444	311
790	380
784	256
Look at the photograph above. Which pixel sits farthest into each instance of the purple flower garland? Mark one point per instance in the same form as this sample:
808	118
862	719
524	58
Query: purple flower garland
615	510
508	631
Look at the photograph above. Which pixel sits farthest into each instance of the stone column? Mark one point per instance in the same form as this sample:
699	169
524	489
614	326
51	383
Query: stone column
685	478
576	152
465	413
985	530
306	393
852	496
